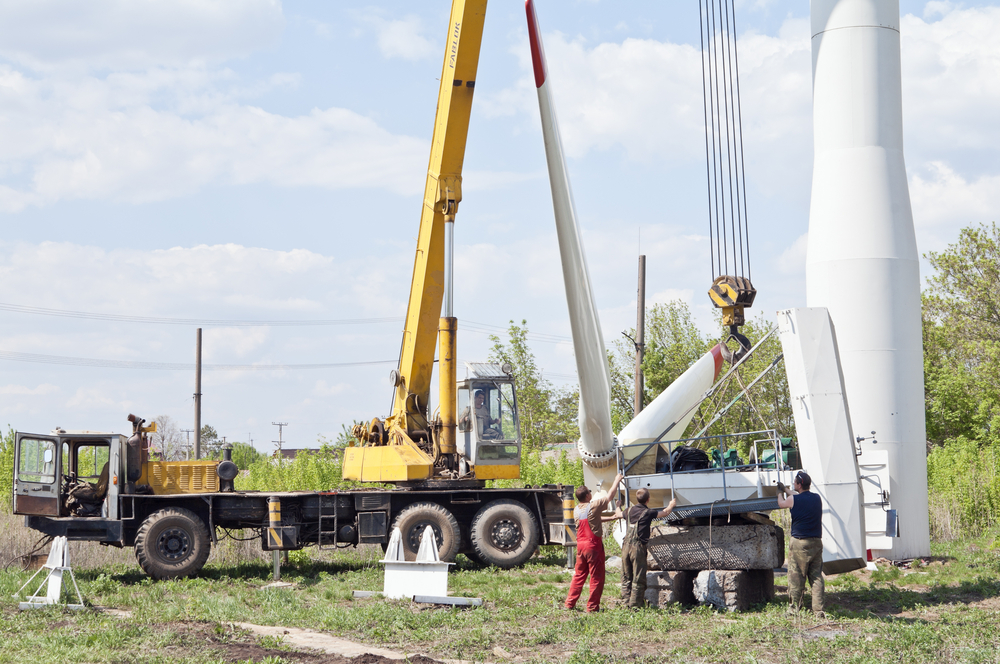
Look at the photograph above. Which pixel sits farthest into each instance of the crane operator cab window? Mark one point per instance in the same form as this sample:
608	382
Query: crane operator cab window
86	481
487	421
36	482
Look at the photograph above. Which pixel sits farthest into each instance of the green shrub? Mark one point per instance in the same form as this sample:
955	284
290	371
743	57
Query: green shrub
308	471
963	484
7	470
536	472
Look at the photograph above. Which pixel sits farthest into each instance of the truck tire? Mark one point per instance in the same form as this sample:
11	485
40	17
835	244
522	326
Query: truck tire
504	534
172	543
412	521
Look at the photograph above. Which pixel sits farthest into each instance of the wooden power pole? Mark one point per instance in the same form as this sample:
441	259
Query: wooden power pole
197	396
640	335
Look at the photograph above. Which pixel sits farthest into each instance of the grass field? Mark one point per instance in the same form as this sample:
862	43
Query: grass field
944	611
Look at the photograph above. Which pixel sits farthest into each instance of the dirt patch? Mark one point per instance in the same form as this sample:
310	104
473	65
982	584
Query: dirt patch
369	658
235	645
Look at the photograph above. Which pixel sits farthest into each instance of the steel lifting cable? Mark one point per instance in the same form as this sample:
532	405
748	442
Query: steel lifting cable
724	154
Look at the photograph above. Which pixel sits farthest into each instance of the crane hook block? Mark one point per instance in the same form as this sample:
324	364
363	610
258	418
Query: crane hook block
732	295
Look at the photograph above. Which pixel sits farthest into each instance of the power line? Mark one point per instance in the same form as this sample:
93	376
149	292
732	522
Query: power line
172	366
472	326
65	313
485	328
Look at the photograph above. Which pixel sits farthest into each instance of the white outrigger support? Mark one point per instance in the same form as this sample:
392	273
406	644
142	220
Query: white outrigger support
58	565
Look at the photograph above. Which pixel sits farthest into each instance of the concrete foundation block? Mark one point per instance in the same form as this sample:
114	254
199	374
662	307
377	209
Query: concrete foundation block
663	588
728	547
658	580
734	590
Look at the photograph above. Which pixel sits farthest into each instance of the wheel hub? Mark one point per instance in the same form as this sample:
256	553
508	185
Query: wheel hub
506	534
173	544
417	533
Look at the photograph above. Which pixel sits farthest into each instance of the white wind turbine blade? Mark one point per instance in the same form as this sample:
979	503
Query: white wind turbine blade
597	446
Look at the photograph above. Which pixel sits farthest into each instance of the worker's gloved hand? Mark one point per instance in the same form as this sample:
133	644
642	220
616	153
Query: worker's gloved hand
781	489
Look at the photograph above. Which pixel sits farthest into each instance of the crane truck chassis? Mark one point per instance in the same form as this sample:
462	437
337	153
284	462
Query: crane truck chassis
104	488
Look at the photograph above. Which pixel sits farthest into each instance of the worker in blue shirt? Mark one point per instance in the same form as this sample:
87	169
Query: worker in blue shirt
806	548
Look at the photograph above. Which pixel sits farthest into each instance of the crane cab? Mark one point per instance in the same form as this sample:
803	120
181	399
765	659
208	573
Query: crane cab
489	434
67	474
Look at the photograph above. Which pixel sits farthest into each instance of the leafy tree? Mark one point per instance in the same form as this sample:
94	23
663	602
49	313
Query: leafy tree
167	441
547	414
673	343
244	454
962	291
621	362
210	441
960	393
961	331
961	334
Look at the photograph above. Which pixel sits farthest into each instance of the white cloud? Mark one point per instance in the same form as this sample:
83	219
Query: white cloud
793	259
125	35
24	390
937	8
401	38
644	97
91	397
944	202
217	282
323	389
227	341
951	86
670	295
104	139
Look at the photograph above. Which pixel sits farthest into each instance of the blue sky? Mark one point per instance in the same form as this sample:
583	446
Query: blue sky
253	159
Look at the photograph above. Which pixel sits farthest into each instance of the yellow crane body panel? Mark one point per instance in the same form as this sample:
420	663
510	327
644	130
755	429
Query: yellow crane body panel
387	463
173	477
510	471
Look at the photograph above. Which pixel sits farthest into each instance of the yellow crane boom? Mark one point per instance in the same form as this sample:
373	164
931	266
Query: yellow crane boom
407	445
442	194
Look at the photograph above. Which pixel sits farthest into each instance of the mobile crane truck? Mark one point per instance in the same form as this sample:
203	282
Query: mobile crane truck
105	488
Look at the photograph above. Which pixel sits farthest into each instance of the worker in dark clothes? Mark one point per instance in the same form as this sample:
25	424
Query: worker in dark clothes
806	548
634	547
590	545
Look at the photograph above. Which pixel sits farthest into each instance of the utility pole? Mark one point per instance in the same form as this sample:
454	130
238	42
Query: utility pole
280	425
188	448
197	396
640	334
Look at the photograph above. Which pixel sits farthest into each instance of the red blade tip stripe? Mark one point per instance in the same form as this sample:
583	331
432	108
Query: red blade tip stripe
537	54
717	356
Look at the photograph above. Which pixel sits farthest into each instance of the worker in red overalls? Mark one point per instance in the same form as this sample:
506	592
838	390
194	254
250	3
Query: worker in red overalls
590	545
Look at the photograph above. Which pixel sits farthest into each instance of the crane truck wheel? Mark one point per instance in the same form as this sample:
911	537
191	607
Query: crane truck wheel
504	534
413	520
172	543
